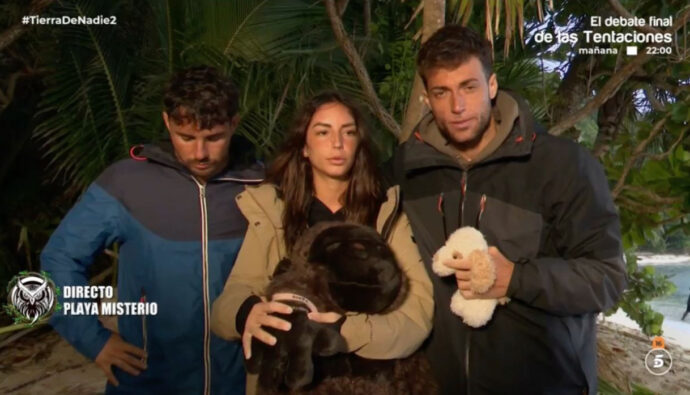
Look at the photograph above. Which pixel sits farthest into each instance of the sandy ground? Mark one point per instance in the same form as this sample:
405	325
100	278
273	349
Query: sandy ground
42	363
677	332
622	351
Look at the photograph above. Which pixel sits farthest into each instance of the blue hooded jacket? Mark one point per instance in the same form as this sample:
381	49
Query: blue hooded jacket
178	240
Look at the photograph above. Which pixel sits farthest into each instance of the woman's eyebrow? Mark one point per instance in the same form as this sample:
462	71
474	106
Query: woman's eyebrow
328	125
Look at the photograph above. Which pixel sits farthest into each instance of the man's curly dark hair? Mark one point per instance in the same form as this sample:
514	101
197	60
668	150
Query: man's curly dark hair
451	46
200	95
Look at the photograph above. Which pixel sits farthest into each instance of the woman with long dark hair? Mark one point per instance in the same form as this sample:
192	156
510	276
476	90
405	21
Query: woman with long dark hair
325	171
346	176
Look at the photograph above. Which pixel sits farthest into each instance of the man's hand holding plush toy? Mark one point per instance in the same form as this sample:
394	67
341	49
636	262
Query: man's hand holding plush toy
462	267
482	275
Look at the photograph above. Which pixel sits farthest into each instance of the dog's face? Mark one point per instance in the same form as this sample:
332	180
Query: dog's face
363	274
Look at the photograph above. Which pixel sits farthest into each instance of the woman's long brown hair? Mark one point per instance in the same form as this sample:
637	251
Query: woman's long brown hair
291	172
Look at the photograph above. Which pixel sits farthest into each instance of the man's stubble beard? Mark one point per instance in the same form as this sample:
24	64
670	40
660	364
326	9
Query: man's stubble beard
482	127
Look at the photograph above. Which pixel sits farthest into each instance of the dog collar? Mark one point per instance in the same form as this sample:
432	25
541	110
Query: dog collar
286	296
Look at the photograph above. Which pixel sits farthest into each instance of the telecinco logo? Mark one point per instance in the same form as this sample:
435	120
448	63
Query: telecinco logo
658	360
30	296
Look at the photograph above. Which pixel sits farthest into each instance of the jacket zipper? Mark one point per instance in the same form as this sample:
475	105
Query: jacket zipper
204	280
463	191
205	277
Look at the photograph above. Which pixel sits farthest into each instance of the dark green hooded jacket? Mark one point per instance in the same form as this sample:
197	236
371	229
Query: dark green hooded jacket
545	203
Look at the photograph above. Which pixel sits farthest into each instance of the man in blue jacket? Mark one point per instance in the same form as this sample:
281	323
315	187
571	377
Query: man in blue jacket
171	209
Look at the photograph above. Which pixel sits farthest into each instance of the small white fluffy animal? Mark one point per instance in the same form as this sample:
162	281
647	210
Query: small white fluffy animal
470	243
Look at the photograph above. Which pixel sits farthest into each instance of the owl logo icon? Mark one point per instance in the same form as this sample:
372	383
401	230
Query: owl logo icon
31	296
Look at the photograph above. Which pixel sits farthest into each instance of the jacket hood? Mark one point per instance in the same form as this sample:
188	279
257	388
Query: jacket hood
420	154
265	201
163	153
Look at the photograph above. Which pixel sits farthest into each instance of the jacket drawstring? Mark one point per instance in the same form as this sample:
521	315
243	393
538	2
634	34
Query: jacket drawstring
443	215
482	207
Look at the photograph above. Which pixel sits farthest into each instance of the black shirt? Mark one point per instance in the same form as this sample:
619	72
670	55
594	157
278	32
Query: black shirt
318	212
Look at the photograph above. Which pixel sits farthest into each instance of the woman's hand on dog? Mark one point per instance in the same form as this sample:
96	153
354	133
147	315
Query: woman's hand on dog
259	316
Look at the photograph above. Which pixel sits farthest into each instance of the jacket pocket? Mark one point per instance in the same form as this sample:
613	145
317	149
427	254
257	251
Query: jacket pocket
515	231
537	353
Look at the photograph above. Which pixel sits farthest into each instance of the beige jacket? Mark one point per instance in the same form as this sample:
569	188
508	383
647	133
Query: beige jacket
393	335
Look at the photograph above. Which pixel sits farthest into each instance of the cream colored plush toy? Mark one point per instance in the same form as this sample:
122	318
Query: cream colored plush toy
470	243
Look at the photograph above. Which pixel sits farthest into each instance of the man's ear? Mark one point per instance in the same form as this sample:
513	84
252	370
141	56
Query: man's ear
234	122
426	98
493	86
166	120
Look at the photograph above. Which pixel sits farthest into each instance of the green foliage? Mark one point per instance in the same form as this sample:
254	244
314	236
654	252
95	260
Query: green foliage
522	73
104	92
588	131
396	86
88	113
644	284
606	388
653	203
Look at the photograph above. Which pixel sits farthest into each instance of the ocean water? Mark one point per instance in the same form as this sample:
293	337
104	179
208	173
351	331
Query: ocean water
677	268
673	306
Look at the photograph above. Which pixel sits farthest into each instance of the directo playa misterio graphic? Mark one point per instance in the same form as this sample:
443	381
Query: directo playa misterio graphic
31	296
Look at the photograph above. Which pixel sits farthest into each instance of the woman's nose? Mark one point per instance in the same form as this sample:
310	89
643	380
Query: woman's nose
337	140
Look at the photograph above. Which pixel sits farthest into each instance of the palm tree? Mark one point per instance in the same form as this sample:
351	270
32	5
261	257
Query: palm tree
104	91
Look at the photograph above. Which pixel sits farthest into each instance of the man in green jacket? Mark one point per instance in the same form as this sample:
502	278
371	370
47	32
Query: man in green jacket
543	204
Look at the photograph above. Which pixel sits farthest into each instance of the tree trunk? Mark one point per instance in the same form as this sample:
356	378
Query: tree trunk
611	116
573	91
15	31
434	19
360	69
10	35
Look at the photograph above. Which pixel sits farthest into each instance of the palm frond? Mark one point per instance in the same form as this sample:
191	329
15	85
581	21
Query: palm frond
85	109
